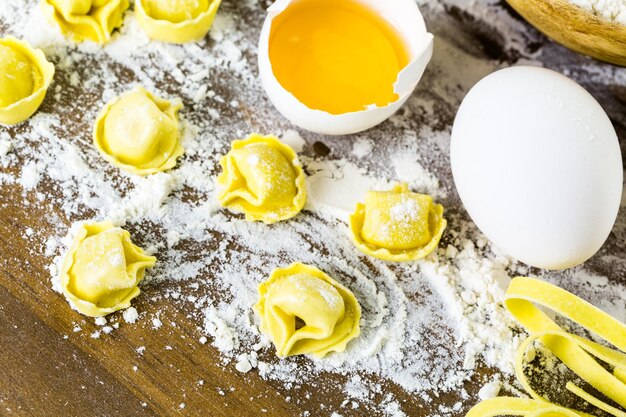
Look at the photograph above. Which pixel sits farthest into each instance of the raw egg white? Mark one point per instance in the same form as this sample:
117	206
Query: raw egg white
405	17
537	164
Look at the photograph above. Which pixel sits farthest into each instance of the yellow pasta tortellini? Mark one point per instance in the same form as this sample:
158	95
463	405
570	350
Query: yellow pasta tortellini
397	225
304	311
176	21
25	75
262	178
102	269
86	20
138	132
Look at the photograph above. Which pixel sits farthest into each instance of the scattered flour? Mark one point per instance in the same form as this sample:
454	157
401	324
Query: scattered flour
490	390
362	148
337	186
30	176
408	169
292	138
130	315
426	327
243	365
5	146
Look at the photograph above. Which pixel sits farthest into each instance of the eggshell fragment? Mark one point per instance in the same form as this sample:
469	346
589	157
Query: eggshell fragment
537	164
403	15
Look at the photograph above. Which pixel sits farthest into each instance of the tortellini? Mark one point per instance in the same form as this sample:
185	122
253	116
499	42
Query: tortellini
262	178
139	133
304	311
86	20
25	75
102	269
397	225
176	21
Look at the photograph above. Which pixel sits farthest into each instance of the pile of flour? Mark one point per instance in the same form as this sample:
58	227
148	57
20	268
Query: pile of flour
611	10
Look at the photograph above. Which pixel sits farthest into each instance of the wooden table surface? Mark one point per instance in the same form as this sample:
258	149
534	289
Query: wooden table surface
48	369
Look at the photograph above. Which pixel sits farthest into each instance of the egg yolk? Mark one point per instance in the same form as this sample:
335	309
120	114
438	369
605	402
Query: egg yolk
337	56
17	76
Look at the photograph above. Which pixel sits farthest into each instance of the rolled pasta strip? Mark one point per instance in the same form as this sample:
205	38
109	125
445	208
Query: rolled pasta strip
575	352
505	406
578	353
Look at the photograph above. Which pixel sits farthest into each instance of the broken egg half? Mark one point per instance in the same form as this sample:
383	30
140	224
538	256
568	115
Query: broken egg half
338	67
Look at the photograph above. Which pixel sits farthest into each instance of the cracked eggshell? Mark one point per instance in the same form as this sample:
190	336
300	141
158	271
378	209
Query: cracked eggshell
405	16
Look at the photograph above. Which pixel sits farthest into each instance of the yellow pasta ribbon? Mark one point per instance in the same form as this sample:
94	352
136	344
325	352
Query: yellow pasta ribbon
578	353
505	406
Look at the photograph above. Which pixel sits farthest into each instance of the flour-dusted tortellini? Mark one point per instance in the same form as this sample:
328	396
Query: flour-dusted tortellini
397	225
139	132
262	178
25	75
102	269
304	311
176	21
86	20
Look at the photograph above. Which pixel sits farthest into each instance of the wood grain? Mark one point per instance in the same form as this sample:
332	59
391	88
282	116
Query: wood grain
576	28
47	369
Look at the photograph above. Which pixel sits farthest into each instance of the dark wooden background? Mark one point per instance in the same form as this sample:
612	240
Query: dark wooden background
47	369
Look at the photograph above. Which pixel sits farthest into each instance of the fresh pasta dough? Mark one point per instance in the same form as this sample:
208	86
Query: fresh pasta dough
86	20
304	311
139	133
602	367
25	75
262	178
175	11
102	269
176	21
18	75
506	406
397	225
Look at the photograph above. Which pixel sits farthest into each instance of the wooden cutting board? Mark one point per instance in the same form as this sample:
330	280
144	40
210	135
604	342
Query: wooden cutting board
49	369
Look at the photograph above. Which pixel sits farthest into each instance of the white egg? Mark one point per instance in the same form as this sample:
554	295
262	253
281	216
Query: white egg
537	164
405	16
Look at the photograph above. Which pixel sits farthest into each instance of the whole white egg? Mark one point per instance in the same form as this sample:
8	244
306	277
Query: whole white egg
537	164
